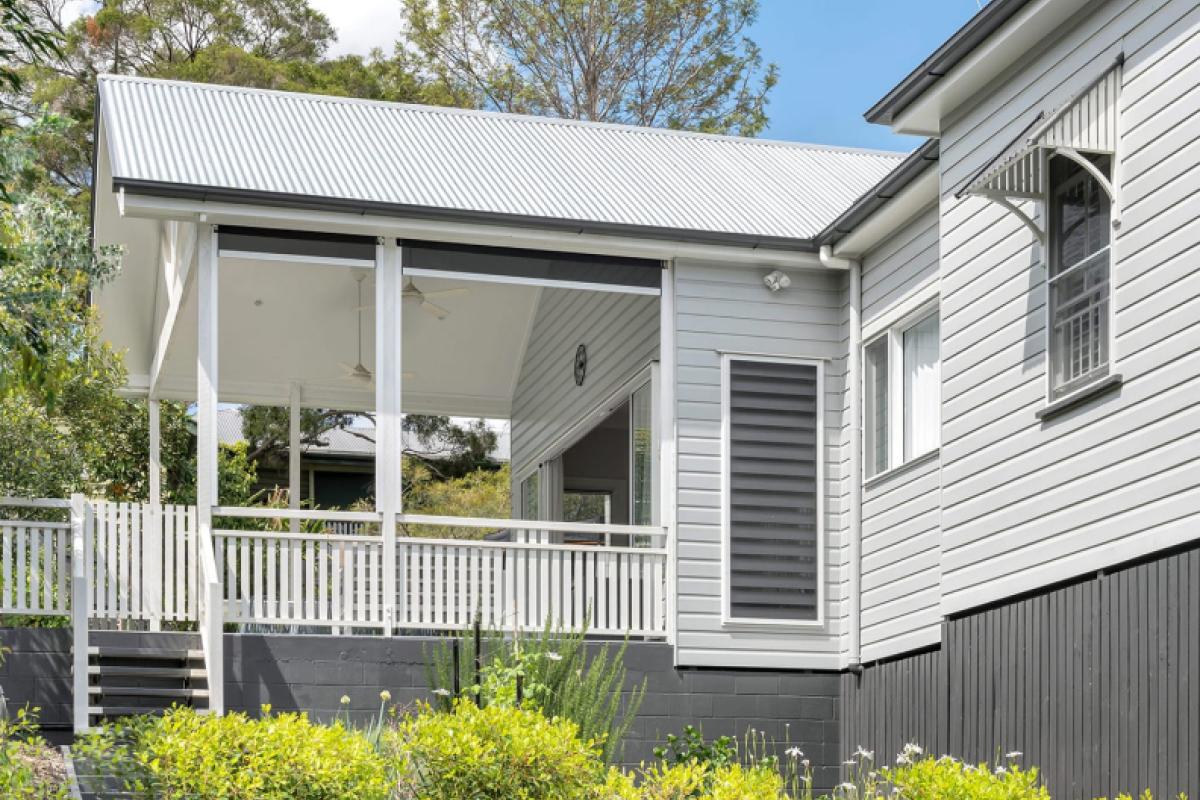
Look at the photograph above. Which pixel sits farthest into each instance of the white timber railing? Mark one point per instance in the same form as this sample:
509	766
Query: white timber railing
327	579
35	573
211	619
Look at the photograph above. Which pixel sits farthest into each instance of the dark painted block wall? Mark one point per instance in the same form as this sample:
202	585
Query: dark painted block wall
38	673
313	673
1097	683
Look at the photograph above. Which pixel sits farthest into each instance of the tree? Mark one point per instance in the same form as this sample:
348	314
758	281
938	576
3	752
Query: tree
20	33
667	63
275	44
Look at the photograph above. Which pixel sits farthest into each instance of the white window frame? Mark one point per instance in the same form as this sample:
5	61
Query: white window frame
908	315
727	619
1047	201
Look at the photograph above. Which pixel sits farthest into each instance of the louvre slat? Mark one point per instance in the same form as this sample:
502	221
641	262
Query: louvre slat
773	484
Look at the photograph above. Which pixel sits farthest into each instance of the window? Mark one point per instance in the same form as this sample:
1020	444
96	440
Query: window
772	445
1080	227
902	379
530	488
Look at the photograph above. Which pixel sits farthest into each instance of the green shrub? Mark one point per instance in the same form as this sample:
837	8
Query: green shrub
694	780
917	776
184	754
29	769
556	676
1145	795
492	753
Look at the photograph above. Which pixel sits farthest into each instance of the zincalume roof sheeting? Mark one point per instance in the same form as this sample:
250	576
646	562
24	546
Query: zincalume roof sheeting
171	136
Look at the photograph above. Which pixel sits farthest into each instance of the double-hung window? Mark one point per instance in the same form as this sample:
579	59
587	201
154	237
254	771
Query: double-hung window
1078	301
902	393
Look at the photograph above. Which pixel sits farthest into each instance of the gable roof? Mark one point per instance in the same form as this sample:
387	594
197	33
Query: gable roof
221	142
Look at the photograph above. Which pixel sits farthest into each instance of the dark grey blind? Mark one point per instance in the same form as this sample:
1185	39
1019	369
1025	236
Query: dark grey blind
773	490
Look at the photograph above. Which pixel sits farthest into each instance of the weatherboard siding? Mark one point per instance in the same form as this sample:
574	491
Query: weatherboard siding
621	332
901	537
726	309
1027	503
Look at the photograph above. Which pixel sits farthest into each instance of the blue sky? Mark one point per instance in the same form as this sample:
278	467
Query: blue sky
836	59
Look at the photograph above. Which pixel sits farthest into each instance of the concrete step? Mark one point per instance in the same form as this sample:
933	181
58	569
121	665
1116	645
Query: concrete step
149	691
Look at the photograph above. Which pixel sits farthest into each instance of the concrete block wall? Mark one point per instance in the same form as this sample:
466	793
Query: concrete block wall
38	673
313	673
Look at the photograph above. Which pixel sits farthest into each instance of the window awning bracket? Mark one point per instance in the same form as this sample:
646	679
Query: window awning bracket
1026	220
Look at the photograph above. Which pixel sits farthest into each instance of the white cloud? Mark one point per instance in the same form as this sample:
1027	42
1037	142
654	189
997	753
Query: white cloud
362	24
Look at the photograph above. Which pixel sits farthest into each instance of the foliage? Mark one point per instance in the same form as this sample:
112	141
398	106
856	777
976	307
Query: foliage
184	754
448	448
694	779
691	748
498	752
486	492
669	63
274	44
1145	795
266	428
29	769
557	676
917	776
18	31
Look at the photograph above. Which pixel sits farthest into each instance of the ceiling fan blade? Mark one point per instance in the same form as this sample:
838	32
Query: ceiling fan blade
435	309
456	290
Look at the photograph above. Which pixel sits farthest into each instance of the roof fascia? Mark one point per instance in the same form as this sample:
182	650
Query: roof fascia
970	75
473	229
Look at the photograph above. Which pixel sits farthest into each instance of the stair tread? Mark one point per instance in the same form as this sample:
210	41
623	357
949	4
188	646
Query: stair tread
132	711
148	691
147	672
154	653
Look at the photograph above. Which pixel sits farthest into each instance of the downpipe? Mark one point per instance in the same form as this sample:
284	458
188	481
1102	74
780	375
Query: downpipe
853	269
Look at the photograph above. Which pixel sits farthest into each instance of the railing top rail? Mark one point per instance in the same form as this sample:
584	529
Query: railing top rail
409	541
290	536
529	525
25	523
34	502
302	514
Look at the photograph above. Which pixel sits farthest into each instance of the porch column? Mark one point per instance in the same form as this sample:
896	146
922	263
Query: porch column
206	376
665	426
389	297
294	453
152	535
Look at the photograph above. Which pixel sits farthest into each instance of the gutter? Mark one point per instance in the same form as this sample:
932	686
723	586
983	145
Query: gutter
366	208
964	41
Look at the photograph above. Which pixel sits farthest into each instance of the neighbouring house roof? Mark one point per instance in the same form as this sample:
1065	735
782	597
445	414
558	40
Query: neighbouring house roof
221	142
977	29
343	443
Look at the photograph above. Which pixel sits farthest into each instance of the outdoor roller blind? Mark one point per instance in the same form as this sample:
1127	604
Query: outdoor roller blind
773	483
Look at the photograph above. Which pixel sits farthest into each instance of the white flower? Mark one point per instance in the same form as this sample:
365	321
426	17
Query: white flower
385	696
1013	754
867	754
442	692
345	700
794	752
554	656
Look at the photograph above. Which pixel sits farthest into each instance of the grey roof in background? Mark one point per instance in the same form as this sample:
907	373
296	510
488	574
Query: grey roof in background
977	29
226	142
878	195
343	443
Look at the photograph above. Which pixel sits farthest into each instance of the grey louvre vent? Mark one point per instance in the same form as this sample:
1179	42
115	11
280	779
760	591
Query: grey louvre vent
773	481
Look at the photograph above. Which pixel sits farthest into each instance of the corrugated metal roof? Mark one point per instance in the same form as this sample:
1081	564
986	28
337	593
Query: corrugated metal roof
167	133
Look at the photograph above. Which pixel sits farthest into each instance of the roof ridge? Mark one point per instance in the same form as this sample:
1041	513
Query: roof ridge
528	119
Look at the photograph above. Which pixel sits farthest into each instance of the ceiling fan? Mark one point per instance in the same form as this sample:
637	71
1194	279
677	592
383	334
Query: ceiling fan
420	298
358	372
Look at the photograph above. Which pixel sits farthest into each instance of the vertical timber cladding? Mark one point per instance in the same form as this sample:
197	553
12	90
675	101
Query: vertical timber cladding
1096	683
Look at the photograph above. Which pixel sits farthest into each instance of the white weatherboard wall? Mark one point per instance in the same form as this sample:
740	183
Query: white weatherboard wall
1028	503
721	308
621	333
900	532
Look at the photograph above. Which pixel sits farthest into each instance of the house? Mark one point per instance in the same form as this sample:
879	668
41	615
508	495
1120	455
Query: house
892	447
339	469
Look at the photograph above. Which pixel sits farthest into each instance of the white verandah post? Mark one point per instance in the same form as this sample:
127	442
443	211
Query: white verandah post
389	297
206	458
294	453
152	579
665	427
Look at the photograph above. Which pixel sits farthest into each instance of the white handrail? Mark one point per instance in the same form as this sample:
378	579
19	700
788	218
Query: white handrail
79	610
558	548
246	512
34	502
529	525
